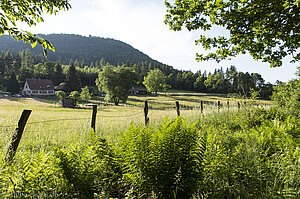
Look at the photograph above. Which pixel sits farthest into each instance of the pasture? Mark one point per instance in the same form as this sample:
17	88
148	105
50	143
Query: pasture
246	152
49	124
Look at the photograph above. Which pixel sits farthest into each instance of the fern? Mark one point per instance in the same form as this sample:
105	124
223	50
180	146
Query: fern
166	162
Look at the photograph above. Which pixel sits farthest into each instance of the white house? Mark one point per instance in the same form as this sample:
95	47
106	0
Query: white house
38	87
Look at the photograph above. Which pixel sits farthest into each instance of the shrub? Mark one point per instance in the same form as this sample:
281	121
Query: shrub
287	96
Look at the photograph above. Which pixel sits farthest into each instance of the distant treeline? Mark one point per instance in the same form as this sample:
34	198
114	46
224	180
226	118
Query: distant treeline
24	65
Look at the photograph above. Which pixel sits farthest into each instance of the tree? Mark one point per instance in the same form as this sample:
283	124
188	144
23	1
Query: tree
61	95
116	83
72	82
85	94
30	12
155	81
199	84
26	69
13	85
268	30
216	83
75	96
58	74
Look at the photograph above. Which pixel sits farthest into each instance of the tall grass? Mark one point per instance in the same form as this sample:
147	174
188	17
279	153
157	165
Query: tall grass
250	153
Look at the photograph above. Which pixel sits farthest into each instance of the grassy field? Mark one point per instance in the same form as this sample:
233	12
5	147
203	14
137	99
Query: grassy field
237	153
49	124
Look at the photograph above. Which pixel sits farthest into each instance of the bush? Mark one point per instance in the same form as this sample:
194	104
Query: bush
287	96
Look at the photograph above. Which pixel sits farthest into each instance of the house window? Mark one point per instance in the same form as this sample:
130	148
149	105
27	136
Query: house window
50	92
43	92
34	92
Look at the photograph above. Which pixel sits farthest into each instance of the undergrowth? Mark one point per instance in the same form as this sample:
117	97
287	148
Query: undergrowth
252	153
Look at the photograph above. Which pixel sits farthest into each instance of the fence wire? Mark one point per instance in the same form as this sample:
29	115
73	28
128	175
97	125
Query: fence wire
120	116
183	107
58	120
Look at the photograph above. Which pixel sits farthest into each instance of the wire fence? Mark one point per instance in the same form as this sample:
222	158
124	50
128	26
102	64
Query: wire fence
15	131
170	105
72	119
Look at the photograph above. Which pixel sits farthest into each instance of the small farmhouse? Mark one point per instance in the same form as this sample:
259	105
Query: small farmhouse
138	91
38	87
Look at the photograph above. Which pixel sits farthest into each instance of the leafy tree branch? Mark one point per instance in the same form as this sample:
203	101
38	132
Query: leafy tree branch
267	30
30	12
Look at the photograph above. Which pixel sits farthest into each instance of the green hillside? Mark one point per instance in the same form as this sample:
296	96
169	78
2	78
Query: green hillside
90	49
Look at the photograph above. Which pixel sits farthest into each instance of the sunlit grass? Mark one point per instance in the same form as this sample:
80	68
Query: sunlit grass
49	124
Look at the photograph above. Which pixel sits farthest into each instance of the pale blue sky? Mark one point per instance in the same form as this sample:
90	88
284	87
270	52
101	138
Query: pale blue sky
140	24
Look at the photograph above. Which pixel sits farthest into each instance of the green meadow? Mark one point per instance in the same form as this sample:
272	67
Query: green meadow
247	152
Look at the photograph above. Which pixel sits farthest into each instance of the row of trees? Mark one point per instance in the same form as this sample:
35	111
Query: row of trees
14	69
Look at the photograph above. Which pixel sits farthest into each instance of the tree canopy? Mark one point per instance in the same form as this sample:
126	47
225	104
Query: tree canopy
155	81
29	12
116	83
268	30
72	81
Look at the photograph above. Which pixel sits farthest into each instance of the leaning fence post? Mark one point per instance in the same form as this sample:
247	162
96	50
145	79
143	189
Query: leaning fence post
12	149
177	108
239	105
146	113
201	106
93	124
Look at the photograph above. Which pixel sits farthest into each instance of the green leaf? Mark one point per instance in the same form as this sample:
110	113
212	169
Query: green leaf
33	44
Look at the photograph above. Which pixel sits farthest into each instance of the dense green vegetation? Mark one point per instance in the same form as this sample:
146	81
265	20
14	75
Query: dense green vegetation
29	12
27	65
86	50
250	153
155	81
116	82
253	153
268	31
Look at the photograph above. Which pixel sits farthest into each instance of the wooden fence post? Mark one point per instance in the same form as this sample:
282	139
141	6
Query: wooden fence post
219	106
177	108
228	106
239	105
146	113
12	149
93	124
201	106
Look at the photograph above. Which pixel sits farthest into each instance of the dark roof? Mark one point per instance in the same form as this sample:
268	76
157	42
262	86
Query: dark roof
40	84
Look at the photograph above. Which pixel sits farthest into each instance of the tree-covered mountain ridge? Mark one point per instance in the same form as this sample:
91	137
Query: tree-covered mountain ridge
88	49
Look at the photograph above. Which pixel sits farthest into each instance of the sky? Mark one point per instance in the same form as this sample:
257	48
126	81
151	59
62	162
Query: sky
141	25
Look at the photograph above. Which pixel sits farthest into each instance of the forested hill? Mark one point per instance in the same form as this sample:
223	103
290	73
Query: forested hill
87	49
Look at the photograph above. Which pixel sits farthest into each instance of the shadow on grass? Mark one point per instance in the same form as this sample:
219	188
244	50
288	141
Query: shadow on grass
47	100
39	99
200	95
192	100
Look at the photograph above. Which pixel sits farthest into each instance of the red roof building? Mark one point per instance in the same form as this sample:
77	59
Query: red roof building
38	87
